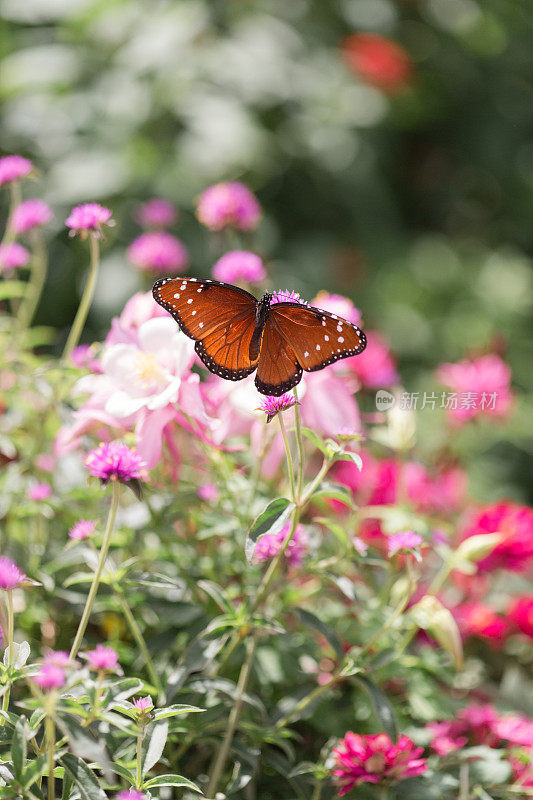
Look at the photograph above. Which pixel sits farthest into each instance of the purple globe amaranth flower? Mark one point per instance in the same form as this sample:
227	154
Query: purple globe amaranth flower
115	461
287	296
82	530
31	214
39	492
158	251
13	256
12	168
273	405
103	658
88	218
228	205
403	542
239	265
50	676
10	574
130	794
270	545
156	213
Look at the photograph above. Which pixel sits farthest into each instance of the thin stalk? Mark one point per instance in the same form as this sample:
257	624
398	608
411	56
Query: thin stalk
272	569
398	611
300	444
383	793
306	701
99	569
83	309
139	779
220	760
10	636
50	748
15	197
139	638
290	465
34	288
317	790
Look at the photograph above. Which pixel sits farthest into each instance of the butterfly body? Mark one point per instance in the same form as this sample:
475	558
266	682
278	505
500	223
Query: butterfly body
236	334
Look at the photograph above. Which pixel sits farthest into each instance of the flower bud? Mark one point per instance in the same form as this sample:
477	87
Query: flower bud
432	616
477	547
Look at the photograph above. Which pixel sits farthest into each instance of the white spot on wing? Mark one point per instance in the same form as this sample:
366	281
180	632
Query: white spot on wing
340	339
189	300
318	347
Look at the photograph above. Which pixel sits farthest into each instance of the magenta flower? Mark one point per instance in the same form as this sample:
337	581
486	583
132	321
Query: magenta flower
479	388
158	251
273	405
10	575
287	296
39	492
339	305
130	794
142	705
239	266
270	545
88	218
228	205
521	614
82	530
30	214
83	356
115	461
103	658
473	725
156	213
515	524
50	676
208	492
375	366
476	619
60	658
12	168
375	759
403	542
13	256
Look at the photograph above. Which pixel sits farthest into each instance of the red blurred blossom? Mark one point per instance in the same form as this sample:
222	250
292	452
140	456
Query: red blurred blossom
239	266
12	168
88	217
482	386
375	759
521	614
228	205
39	492
30	214
13	256
476	619
375	366
378	61
158	251
103	658
10	575
473	725
156	213
515	524
50	676
270	545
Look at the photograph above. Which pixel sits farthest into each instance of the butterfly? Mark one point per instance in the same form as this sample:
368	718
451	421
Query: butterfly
236	334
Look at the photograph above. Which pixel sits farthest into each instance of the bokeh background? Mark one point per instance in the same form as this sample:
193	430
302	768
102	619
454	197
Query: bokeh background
411	191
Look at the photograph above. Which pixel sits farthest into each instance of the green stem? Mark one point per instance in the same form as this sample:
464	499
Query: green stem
50	746
139	779
83	309
299	442
39	265
15	197
398	611
272	569
9	637
290	465
383	793
139	638
220	760
99	569
307	700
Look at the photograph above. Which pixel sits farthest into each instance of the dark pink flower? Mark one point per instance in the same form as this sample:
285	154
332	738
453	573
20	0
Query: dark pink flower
83	356
141	708
521	614
405	541
228	205
10	575
479	388
375	759
270	545
88	218
375	366
103	658
339	305
239	266
473	725
13	256
156	213
378	61
130	794
32	213
50	676
158	251
515	524
39	492
115	461
476	619
208	492
515	729
12	168
82	530
273	405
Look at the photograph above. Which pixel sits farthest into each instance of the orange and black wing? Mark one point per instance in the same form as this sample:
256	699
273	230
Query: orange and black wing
316	337
278	369
219	317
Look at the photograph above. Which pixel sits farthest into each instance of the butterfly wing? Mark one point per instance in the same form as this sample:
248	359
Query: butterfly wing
316	337
278	369
219	317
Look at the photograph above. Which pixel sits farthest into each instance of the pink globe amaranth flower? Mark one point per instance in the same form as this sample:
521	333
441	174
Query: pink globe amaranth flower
273	405
208	492
375	759
59	658
32	213
339	305
10	575
12	168
375	367
521	614
287	296
404	541
115	461
378	61
156	213
83	356
158	251
13	256
88	218
515	524
270	545
228	205
82	530
482	387
476	619
130	794
103	658
50	676
39	492
239	266
142	704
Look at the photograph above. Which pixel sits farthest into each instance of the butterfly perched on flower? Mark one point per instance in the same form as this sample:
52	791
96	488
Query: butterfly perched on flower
236	334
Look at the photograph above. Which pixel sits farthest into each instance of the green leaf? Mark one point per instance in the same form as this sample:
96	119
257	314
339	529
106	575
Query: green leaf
21	653
153	744
382	707
34	770
335	528
355	458
124	772
310	619
316	440
171	780
83	745
196	657
217	594
175	710
343	584
10	289
334	491
271	520
481	793
83	777
19	747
